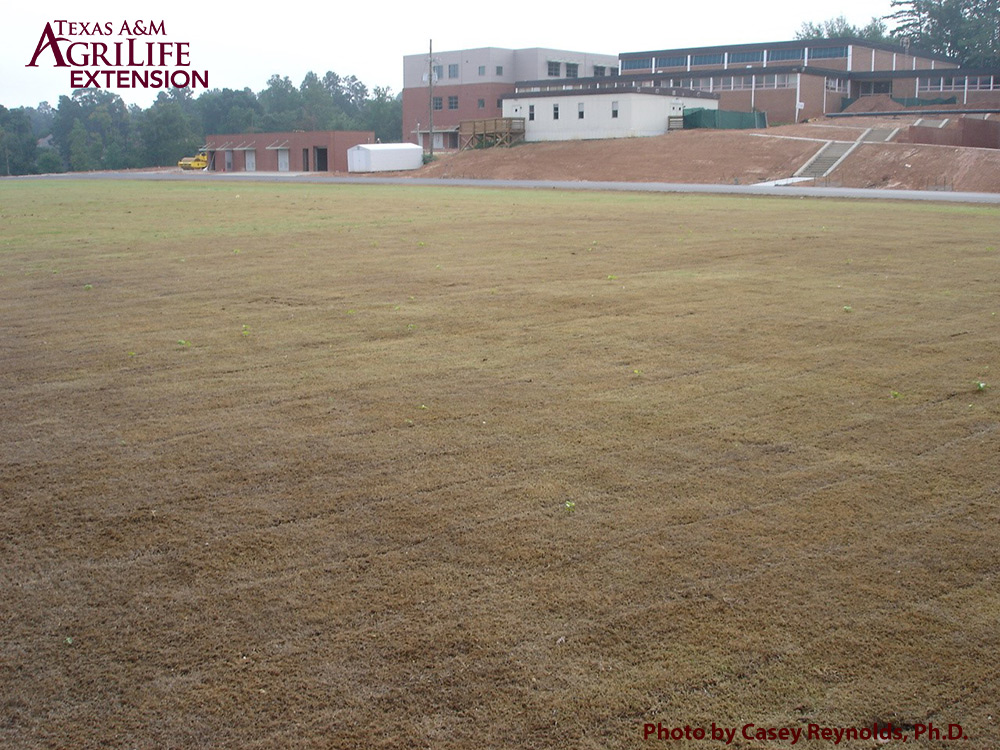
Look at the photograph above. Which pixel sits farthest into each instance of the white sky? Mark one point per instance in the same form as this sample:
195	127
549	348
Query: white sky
242	48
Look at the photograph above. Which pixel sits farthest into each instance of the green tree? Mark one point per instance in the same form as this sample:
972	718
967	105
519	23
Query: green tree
166	132
17	142
876	29
383	114
48	161
229	111
281	103
108	127
84	149
348	93
967	30
42	118
318	109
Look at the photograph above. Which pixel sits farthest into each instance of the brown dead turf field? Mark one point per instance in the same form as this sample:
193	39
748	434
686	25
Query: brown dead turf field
293	466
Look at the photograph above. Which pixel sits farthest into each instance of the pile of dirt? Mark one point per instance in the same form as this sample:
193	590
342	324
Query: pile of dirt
691	156
913	166
733	157
877	103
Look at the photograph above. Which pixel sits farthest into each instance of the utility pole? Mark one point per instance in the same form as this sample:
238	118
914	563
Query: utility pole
430	95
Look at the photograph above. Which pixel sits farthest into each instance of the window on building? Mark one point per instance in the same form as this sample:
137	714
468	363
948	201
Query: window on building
499	103
638	63
614	110
786	54
452	102
481	104
555	111
555	69
746	57
600	71
827	52
706	59
482	70
780	81
531	112
436	103
499	70
697	84
579	111
438	72
675	61
453	70
572	70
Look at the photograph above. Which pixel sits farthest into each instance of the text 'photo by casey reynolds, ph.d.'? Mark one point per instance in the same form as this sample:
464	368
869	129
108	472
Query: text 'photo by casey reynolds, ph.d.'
882	733
117	55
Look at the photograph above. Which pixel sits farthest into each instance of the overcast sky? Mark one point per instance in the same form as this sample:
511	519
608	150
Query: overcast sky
243	45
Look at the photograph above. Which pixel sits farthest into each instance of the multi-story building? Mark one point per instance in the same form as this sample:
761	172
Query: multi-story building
790	81
469	85
799	79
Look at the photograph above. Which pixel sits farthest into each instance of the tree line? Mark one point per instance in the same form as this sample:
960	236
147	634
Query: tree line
965	30
94	128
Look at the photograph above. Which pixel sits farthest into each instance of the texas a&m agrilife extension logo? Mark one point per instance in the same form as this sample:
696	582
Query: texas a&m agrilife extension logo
110	55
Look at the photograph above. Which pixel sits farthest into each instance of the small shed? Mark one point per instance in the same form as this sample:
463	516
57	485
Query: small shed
384	157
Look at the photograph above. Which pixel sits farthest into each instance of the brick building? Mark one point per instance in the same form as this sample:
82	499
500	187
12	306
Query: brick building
297	151
469	85
791	81
799	79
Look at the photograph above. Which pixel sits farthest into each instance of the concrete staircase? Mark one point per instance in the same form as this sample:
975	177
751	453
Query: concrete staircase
879	135
825	159
829	157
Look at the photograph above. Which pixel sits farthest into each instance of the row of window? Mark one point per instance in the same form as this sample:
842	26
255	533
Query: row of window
959	83
573	70
734	83
453	71
437	103
734	58
555	70
579	111
744	82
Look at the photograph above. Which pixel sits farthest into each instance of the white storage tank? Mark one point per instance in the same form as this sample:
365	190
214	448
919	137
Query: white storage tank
384	157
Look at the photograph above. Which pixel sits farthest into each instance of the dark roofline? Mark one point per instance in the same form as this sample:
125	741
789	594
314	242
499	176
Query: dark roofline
572	81
647	90
770	70
856	75
790	44
923	73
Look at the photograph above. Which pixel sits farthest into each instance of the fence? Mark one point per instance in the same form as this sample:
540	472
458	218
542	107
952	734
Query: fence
720	119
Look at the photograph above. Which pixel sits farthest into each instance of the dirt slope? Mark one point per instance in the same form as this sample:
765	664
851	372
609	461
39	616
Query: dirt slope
744	157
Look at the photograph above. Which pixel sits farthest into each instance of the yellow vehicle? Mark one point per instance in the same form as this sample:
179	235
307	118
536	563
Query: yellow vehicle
194	162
